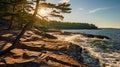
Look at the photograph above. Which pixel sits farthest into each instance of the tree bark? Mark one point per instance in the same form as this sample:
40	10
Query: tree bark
16	40
12	18
21	33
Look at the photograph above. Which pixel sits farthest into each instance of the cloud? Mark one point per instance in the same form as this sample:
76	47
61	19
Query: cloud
97	10
81	9
64	1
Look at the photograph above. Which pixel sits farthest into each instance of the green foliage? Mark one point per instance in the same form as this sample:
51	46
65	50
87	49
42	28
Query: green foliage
56	9
20	12
15	11
68	25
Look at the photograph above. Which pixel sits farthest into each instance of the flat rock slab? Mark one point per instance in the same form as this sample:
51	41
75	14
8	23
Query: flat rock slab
43	53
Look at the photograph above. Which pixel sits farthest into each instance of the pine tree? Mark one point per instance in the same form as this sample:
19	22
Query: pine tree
56	11
13	10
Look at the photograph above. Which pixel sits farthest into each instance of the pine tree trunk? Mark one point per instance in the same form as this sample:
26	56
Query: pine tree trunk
11	22
16	40
21	33
12	18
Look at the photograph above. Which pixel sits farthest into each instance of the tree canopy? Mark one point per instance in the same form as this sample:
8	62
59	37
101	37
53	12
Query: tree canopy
18	12
25	12
68	25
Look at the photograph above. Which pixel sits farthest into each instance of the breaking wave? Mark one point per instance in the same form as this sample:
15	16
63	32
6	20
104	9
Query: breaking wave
97	52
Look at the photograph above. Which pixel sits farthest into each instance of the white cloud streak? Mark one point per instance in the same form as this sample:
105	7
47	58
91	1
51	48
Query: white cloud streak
64	1
97	10
81	9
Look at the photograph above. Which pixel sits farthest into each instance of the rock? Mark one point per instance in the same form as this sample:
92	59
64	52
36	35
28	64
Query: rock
30	54
5	46
97	36
75	51
26	56
65	33
45	52
44	34
17	52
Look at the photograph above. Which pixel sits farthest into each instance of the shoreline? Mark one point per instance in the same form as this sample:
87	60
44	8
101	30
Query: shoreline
99	48
40	49
50	37
49	40
84	34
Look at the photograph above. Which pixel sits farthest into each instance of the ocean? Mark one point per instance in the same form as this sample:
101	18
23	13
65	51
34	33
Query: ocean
107	51
114	34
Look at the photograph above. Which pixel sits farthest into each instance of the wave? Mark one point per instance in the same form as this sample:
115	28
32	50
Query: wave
103	51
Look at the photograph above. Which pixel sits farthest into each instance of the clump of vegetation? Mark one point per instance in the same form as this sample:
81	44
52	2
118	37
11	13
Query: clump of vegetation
23	14
69	25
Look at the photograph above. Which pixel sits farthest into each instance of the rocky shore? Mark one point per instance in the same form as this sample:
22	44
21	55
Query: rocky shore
39	49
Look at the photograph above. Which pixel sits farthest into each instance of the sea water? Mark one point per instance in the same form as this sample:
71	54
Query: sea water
107	51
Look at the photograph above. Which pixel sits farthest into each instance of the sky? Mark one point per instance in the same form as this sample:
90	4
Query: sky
102	13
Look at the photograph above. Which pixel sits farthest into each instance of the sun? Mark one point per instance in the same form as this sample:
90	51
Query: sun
43	12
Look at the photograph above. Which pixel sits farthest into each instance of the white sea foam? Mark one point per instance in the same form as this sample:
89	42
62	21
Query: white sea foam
101	49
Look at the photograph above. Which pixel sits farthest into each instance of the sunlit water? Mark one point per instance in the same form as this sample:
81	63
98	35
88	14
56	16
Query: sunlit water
106	51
